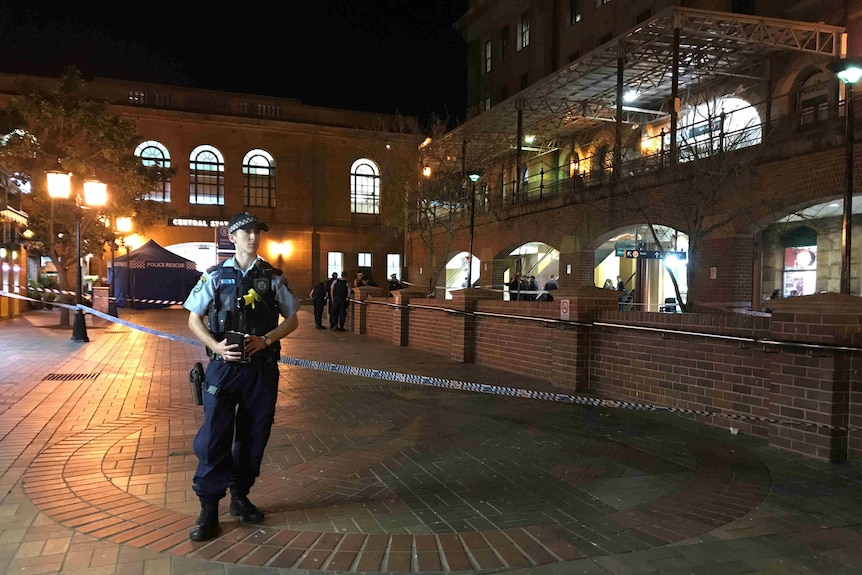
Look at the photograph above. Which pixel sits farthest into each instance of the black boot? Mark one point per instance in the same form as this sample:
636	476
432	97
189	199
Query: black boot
241	507
207	524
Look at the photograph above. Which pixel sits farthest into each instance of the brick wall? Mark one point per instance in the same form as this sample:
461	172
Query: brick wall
793	378
427	327
378	321
517	346
680	370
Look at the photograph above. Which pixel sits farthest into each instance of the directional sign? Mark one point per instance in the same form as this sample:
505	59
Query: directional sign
653	254
648	254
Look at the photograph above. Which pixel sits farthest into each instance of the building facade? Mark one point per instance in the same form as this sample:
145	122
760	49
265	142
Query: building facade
313	174
712	132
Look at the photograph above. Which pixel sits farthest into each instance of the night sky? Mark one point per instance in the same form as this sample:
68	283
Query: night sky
370	55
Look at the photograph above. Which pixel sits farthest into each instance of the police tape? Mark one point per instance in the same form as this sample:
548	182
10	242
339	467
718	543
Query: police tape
90	296
457	385
53	291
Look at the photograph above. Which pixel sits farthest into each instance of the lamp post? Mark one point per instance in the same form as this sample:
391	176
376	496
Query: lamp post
474	177
95	194
849	71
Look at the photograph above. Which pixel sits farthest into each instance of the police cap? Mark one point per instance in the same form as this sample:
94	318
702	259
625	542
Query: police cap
246	221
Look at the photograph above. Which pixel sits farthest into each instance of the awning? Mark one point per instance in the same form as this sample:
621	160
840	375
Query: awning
712	47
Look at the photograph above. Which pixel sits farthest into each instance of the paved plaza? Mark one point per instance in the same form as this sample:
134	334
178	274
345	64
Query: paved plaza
370	475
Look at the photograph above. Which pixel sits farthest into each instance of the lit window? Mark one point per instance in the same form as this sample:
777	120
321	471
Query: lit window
156	160
206	176
487	56
136	97
334	263
487	103
800	262
363	260
393	265
524	37
364	187
258	173
575	16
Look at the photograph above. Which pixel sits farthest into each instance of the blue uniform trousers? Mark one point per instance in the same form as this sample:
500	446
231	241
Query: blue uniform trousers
237	423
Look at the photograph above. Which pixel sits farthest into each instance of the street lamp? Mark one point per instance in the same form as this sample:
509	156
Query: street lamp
95	194
849	71
474	177
122	225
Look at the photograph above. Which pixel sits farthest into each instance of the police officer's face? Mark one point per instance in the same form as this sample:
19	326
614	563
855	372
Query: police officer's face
247	241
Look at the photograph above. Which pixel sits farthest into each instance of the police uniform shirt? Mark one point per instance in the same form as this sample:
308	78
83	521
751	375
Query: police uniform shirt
204	291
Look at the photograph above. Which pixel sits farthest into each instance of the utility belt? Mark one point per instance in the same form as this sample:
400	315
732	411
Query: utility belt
269	355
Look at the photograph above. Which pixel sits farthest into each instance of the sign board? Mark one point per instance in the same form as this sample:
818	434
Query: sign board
621	247
192	222
224	247
652	254
564	309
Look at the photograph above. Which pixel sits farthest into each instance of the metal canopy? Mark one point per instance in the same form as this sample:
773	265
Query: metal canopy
713	46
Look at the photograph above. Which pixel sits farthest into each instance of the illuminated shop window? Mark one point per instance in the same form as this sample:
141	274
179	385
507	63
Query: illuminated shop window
800	262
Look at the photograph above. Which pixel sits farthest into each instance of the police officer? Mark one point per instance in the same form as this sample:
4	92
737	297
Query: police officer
244	294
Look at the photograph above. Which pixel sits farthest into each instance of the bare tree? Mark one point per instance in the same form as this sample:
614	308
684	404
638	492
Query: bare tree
712	185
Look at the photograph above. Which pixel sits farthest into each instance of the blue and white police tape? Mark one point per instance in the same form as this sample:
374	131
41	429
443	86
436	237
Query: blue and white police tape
540	395
478	387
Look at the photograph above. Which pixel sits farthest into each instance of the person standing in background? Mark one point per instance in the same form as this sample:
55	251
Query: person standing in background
318	300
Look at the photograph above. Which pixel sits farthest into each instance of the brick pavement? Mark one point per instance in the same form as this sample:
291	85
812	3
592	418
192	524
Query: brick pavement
366	476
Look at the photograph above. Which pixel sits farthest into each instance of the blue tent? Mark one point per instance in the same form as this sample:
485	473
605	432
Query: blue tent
152	277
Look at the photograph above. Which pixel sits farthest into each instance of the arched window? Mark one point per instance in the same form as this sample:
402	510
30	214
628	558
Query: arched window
813	98
156	160
364	187
800	262
258	174
206	176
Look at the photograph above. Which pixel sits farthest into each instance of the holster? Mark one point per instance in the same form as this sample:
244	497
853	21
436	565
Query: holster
196	378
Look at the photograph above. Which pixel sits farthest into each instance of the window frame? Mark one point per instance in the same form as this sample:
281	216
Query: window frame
200	176
524	30
258	188
393	266
163	164
334	263
363	200
575	12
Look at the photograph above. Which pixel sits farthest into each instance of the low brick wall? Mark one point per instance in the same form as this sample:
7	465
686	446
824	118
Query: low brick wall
515	345
378	322
800	367
681	367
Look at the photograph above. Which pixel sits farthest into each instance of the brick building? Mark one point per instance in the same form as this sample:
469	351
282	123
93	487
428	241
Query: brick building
596	124
312	173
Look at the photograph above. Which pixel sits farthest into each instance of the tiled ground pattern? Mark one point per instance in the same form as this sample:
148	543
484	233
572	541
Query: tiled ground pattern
373	476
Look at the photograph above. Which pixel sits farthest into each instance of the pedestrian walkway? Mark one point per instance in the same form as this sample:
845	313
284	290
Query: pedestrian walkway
366	475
